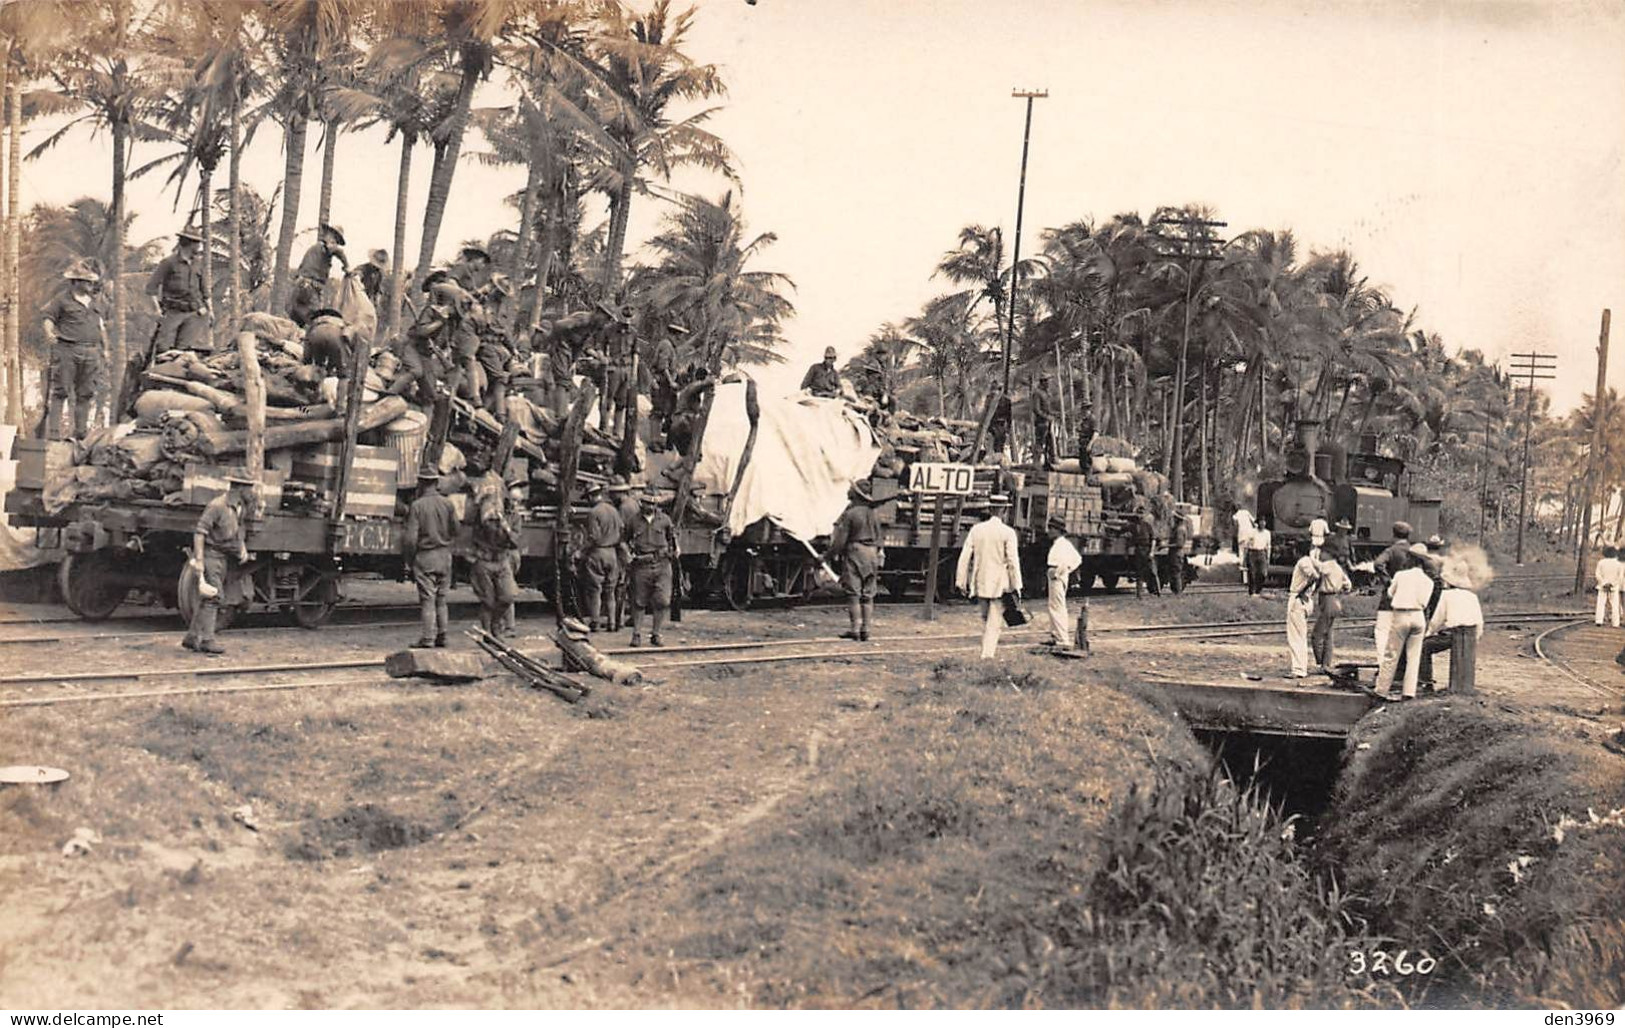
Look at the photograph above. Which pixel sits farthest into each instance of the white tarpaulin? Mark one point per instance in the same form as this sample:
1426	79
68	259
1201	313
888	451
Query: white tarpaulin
808	452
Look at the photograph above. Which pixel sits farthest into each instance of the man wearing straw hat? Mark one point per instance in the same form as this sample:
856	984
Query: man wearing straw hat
857	541
653	540
1456	625
78	339
989	568
218	540
1063	559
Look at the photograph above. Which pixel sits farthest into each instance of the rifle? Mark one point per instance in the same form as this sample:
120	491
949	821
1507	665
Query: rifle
532	673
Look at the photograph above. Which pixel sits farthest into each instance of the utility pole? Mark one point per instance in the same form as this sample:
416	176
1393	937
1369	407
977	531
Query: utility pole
1531	367
1599	410
1484	483
1021	201
1195	242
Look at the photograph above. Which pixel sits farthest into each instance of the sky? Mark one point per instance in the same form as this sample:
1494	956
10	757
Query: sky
1468	152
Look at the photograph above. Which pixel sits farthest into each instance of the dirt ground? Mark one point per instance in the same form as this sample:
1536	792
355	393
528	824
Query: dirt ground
396	844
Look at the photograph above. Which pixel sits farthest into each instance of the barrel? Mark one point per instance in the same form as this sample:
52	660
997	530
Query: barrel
406	435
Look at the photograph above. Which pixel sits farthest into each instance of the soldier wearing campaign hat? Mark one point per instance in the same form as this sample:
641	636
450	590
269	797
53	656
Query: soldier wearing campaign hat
219	542
78	338
653	542
822	379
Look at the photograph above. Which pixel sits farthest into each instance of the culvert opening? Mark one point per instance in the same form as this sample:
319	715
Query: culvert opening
1297	773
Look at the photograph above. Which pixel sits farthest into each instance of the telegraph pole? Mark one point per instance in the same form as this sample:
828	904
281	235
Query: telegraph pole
1021	200
1194	243
1598	410
1531	367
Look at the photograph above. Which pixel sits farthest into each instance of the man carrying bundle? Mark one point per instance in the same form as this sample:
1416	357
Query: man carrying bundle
218	541
496	544
653	540
857	540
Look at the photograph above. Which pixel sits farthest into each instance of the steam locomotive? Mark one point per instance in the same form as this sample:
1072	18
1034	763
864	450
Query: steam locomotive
1368	490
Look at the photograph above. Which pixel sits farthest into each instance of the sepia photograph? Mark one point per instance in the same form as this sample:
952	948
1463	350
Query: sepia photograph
689	505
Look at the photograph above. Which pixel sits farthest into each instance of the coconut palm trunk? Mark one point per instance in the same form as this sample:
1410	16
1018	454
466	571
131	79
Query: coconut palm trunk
617	230
397	271
524	237
293	176
445	167
330	132
206	183
12	344
117	356
234	207
544	267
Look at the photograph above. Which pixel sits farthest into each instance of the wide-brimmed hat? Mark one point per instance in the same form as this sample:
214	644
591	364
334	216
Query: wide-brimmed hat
326	312
1059	524
619	485
829	351
336	231
428	474
379	257
80	271
998	500
473	251
1435	542
1419	549
1403	530
189	235
861	490
1344	524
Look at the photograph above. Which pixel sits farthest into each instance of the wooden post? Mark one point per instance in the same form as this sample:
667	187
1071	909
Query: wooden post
254	410
359	351
569	461
1598	401
936	550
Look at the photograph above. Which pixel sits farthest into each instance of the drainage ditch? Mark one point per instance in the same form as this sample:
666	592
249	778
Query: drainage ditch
1297	773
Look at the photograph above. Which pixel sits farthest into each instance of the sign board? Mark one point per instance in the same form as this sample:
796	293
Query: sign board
952	479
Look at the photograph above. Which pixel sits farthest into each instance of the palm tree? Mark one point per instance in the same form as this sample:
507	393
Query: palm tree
644	71
306	35
700	279
95	75
953	351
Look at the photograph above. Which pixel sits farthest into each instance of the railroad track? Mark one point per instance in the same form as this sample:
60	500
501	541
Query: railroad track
1585	653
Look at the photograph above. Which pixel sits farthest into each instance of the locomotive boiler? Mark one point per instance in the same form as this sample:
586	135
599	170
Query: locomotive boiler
1364	488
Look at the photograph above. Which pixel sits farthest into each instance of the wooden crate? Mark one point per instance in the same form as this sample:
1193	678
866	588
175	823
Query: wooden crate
373	473
203	482
40	461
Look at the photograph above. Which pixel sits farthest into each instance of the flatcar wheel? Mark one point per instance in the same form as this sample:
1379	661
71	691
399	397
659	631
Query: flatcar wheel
88	586
316	607
738	573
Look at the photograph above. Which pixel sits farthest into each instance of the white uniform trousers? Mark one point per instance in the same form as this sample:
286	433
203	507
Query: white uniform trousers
1298	611
1407	634
1385	621
993	621
1608	600
1060	624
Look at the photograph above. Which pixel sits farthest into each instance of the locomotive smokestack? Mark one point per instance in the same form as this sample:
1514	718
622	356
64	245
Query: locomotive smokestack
1309	439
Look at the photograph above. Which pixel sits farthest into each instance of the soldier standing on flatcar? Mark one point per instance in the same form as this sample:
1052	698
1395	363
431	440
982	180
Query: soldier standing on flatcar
310	277
78	337
1043	423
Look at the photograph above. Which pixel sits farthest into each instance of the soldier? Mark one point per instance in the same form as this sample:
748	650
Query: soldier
310	277
626	505
473	268
177	286
1044	448
999	428
600	565
1145	565
654	551
496	544
431	528
857	540
662	372
78	339
218	541
494	355
822	379
327	344
373	274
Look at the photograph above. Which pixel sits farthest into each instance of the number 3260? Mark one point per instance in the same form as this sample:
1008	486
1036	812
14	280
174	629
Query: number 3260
1382	962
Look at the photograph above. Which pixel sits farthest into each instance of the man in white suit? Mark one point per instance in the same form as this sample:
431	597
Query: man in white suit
989	567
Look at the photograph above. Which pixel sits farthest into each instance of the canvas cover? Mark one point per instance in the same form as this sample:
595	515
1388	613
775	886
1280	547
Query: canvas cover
808	452
17	549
